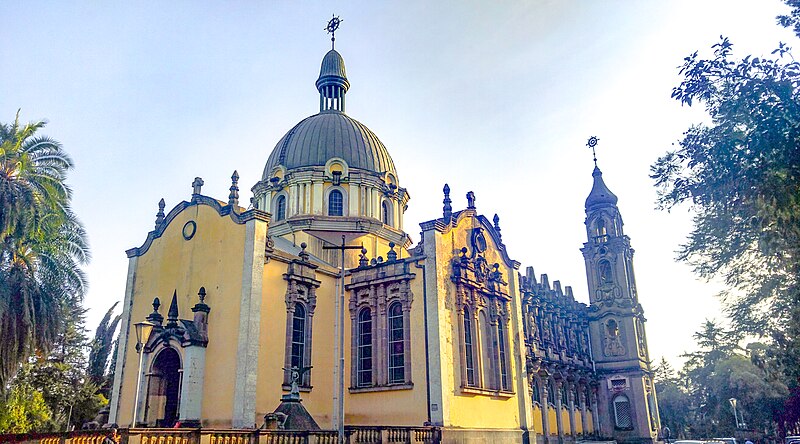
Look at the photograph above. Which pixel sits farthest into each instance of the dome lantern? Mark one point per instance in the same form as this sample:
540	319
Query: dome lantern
332	83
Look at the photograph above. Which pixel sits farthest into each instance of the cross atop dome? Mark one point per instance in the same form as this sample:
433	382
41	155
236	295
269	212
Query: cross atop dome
333	25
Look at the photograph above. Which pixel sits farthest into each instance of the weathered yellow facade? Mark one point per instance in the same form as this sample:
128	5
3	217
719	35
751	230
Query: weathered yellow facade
445	333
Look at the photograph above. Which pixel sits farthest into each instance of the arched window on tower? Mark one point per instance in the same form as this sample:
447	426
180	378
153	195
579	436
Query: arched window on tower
622	412
386	211
280	208
364	363
396	345
605	273
335	203
600	233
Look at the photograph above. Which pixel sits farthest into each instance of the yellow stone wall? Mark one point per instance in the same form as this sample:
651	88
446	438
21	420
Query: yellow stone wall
391	407
212	258
503	411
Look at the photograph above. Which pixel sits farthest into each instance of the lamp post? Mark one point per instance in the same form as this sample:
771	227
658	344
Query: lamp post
735	416
143	330
338	327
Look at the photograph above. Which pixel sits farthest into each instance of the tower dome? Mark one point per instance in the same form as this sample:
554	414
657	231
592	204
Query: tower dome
330	133
600	194
330	175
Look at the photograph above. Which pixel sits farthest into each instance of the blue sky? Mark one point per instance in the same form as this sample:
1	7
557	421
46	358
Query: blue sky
492	97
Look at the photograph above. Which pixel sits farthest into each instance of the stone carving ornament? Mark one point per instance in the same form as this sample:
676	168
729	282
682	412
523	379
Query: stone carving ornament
612	340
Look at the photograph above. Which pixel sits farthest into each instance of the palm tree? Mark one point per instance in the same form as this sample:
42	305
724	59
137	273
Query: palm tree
42	244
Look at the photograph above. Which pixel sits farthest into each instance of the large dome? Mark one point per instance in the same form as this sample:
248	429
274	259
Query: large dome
331	133
318	138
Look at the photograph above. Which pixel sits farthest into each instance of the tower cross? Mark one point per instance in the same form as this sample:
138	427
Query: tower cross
592	143
333	25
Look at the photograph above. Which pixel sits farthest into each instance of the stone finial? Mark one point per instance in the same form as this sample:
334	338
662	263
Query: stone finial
496	220
155	317
202	294
233	197
448	209
362	258
391	256
197	185
172	315
303	253
200	311
160	214
470	200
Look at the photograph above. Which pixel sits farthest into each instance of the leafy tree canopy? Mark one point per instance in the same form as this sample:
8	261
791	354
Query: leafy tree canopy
741	176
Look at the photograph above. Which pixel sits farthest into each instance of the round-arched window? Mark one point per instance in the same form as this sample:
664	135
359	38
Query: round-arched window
364	364
396	345
335	203
298	336
280	208
386	209
623	418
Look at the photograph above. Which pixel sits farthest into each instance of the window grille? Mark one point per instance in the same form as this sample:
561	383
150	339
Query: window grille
335	203
623	417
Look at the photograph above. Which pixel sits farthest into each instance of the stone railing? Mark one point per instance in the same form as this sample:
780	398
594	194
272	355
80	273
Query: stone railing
353	435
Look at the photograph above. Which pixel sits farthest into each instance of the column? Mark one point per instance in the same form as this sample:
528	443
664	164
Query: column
595	418
545	388
191	400
248	346
316	199
571	400
582	402
354	200
559	422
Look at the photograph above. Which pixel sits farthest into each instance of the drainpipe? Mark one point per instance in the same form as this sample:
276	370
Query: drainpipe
427	353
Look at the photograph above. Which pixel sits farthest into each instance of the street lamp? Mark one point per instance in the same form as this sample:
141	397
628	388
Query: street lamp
143	330
735	416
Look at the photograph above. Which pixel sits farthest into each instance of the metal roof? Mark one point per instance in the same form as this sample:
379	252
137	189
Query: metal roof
318	138
600	194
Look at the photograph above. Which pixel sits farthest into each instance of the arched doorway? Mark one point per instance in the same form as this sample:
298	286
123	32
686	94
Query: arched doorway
163	389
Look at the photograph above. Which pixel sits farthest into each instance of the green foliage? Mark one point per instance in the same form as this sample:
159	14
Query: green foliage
42	244
62	378
673	400
741	176
695	402
101	348
24	410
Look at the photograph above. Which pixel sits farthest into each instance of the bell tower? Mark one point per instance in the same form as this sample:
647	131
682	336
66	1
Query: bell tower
627	408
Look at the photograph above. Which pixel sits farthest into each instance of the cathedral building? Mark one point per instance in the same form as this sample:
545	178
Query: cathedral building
251	303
